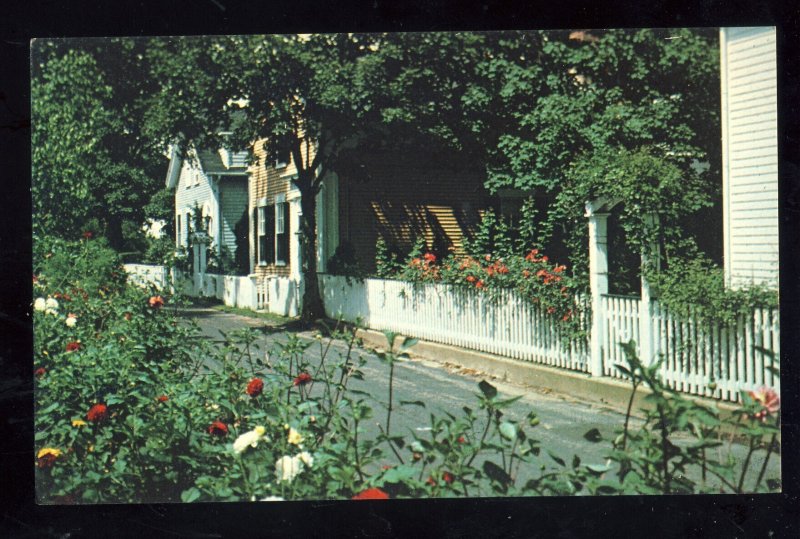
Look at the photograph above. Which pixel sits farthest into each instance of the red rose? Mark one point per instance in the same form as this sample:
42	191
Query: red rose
87	235
73	346
551	310
162	398
526	273
479	284
255	387
38	373
373	493
218	428
447	477
429	258
97	413
490	271
502	269
156	302
302	379
462	440
470	279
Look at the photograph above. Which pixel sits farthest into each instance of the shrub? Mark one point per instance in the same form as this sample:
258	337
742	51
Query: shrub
696	288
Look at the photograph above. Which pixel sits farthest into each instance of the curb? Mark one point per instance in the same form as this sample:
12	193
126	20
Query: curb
610	393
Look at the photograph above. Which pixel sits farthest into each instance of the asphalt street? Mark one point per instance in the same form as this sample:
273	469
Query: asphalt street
563	420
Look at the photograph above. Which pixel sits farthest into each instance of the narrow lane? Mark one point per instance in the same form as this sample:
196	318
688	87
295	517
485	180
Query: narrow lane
563	420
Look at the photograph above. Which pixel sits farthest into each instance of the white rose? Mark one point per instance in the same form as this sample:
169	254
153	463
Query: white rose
51	303
71	321
306	458
40	304
250	438
287	468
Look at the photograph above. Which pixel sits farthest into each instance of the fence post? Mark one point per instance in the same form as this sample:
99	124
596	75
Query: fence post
598	283
646	344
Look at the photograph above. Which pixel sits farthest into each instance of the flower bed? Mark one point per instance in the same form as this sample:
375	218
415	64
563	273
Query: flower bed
133	406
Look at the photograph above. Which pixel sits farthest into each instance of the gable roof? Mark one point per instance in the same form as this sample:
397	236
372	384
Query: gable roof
211	162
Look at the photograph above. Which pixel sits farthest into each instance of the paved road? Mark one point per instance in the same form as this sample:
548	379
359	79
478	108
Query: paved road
564	420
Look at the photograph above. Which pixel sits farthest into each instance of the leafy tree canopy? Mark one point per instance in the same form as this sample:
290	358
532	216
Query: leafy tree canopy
89	159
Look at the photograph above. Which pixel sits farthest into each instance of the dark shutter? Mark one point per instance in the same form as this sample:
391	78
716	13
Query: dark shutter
283	239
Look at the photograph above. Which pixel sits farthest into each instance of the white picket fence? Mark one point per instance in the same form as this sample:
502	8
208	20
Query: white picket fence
701	359
279	295
505	325
711	360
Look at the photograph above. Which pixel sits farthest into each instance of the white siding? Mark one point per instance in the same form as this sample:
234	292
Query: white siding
750	154
190	192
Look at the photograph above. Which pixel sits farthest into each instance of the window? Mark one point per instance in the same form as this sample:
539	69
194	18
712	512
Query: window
282	160
178	230
272	231
281	230
265	217
188	227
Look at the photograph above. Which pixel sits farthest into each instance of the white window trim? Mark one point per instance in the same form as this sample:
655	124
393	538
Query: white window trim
280	227
261	230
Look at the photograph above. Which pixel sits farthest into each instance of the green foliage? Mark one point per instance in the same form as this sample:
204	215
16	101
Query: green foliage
386	260
623	114
292	426
678	433
88	159
87	264
159	251
697	289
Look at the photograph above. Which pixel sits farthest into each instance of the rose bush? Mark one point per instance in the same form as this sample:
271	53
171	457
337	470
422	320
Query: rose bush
145	410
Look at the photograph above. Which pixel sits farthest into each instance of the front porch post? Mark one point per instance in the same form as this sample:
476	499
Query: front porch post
598	283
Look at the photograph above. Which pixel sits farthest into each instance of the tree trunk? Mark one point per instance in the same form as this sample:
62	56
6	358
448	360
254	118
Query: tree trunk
114	233
312	308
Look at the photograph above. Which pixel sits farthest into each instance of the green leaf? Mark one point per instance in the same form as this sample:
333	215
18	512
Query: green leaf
576	461
598	468
413	403
506	402
623	370
508	430
400	474
556	458
408	343
488	390
496	473
593	435
190	495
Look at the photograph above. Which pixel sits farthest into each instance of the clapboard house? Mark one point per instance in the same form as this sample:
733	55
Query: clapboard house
750	155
